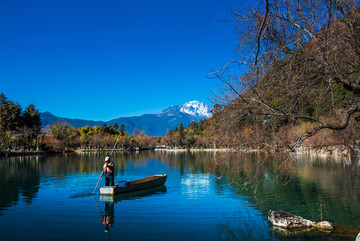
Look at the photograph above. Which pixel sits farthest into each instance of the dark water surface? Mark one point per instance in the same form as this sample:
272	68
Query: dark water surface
207	196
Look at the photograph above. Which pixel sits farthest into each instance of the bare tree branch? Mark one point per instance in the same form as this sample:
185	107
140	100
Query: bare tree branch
339	126
261	31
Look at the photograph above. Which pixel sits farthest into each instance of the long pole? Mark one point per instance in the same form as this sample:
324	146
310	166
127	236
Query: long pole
117	138
98	182
102	173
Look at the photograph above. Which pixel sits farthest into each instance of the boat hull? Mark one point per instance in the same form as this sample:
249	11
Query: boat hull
144	183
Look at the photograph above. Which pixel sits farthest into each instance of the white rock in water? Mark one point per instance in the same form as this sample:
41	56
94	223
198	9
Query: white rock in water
324	225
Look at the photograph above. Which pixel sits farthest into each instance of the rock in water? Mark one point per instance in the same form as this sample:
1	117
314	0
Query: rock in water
287	220
324	226
290	221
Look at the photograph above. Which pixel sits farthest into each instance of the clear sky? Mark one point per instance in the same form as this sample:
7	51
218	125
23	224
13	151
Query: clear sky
99	60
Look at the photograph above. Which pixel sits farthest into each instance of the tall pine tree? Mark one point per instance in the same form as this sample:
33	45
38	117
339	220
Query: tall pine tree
9	121
31	119
122	129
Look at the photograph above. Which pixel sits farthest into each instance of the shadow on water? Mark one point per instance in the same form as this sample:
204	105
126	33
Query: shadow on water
80	195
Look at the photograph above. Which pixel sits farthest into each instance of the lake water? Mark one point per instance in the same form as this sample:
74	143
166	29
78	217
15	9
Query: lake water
207	196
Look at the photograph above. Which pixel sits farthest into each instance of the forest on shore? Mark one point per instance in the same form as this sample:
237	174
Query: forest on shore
20	131
294	82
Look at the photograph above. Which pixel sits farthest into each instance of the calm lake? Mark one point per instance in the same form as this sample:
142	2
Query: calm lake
207	196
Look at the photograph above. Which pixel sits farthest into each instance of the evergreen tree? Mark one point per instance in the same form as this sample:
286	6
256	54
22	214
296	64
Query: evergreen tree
181	134
104	128
13	116
9	114
30	126
115	126
181	127
31	119
122	129
3	101
3	135
9	120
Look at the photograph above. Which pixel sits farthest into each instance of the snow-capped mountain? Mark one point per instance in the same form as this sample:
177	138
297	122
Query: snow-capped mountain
190	111
152	124
196	109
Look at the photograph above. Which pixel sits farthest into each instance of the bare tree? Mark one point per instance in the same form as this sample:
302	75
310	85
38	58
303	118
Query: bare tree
294	57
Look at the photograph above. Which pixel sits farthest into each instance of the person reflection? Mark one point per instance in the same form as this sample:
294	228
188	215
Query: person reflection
108	217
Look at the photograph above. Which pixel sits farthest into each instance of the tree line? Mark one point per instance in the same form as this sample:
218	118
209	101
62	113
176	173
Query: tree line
195	135
19	129
64	137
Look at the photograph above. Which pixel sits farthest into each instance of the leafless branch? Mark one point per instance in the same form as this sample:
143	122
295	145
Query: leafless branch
261	31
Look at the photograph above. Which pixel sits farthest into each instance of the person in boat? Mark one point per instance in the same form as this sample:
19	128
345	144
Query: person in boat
108	170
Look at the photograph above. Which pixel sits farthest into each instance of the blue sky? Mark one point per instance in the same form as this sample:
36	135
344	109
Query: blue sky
100	60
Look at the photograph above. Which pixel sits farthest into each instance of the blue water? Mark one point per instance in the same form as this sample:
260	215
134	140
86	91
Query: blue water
49	198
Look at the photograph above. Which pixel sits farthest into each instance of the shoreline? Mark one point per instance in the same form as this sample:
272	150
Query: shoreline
29	153
196	149
339	151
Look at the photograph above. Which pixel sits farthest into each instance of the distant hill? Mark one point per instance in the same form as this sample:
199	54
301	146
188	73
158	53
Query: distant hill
151	124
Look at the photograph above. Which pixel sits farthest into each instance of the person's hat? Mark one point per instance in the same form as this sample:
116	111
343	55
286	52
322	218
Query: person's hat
107	158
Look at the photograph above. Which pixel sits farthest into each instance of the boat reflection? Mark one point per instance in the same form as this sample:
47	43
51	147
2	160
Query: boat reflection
134	195
108	216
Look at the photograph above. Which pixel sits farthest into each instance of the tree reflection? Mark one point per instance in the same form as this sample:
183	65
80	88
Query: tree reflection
313	188
244	226
19	177
245	169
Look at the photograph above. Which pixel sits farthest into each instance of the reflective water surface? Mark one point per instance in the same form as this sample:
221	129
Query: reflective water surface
207	196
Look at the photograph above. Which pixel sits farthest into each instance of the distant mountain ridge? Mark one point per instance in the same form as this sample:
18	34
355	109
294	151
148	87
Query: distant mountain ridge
151	124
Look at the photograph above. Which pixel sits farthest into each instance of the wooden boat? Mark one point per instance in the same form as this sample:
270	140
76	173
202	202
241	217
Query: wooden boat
144	183
159	190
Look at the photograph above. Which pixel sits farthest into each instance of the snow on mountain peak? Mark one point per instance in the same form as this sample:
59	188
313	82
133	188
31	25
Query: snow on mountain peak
196	109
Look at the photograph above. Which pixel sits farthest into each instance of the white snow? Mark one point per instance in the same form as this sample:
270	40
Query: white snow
195	108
